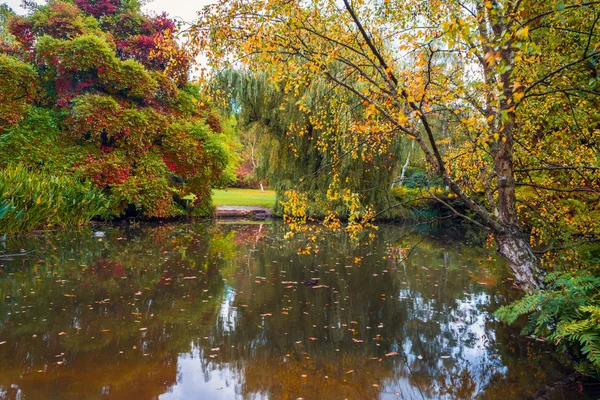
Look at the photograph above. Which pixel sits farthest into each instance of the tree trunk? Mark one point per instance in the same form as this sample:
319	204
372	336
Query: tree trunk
525	265
406	164
513	243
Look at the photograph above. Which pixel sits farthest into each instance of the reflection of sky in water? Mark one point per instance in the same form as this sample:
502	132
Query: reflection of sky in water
465	323
195	381
228	313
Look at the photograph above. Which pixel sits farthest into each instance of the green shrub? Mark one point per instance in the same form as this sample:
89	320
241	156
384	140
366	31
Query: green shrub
418	178
38	142
567	313
19	89
107	100
33	200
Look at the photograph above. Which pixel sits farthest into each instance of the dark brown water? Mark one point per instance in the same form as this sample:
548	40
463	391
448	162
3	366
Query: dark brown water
206	311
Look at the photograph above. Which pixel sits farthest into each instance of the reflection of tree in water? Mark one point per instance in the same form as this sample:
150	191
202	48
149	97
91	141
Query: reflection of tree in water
136	303
128	305
434	311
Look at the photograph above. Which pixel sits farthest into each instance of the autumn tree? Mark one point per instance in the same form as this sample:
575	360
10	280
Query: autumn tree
491	69
294	149
99	91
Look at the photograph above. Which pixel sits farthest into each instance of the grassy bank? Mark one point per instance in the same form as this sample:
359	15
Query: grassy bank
243	197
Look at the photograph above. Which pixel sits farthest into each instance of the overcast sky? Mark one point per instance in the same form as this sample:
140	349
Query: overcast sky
185	9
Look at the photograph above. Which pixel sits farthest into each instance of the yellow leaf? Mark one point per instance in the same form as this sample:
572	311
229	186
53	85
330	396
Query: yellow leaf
523	33
39	200
518	96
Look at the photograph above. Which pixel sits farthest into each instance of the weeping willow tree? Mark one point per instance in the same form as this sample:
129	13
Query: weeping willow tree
296	133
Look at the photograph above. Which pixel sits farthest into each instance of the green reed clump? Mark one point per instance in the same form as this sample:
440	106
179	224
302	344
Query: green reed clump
34	200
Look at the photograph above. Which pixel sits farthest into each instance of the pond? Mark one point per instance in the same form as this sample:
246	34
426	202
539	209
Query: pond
224	311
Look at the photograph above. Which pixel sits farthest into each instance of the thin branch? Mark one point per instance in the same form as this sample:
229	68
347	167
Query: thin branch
576	189
459	214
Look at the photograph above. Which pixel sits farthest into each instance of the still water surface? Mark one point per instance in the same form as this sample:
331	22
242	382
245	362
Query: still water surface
201	311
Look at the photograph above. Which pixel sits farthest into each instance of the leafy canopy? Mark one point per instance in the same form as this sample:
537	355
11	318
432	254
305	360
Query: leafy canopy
111	85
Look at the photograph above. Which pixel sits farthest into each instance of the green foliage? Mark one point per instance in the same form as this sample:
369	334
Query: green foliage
233	147
18	83
418	178
31	142
33	200
61	20
98	91
288	148
567	312
6	13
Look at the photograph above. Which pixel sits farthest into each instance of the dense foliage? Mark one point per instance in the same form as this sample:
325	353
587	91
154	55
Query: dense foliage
567	313
99	92
290	141
475	85
501	97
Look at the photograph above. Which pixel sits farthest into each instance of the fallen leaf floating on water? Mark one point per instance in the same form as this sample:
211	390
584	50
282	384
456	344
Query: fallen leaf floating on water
62	333
393	353
349	372
3	342
70	295
190	277
143	329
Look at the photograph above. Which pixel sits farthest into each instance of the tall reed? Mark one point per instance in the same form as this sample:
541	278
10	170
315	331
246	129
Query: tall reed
34	200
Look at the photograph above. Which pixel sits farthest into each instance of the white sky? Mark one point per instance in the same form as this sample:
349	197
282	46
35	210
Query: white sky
184	9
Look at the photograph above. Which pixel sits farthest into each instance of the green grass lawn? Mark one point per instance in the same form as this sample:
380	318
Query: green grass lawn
243	197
